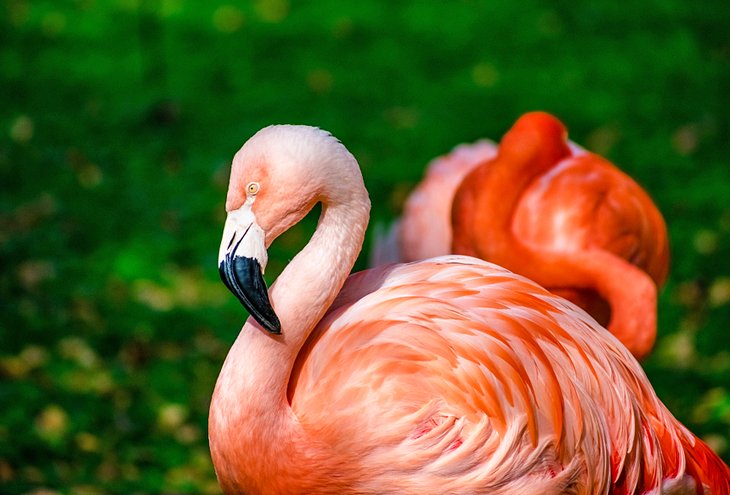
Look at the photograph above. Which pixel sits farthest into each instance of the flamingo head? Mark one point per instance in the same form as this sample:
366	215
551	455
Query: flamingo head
278	175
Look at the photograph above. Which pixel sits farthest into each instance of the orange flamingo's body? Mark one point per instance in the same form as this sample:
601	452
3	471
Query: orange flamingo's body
561	216
450	375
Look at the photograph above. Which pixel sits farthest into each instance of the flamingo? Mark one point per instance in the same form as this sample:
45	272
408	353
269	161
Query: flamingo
547	209
449	375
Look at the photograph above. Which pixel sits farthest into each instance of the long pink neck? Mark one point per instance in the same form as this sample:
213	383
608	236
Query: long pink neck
254	436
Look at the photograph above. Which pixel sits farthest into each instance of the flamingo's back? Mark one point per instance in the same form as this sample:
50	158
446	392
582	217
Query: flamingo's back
456	376
585	202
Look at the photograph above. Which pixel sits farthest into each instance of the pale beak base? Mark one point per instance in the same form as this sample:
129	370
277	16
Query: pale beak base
242	260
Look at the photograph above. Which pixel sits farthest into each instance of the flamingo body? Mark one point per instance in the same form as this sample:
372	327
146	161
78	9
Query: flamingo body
585	203
544	207
452	359
450	375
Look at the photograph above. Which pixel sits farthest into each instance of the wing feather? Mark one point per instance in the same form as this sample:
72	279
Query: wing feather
467	370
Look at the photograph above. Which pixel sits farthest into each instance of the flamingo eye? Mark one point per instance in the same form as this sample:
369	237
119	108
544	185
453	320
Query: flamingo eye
252	188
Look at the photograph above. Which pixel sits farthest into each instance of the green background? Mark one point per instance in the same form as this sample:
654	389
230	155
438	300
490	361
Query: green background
118	120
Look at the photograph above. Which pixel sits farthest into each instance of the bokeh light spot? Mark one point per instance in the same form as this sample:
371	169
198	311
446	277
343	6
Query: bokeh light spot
319	81
21	130
719	293
705	241
228	19
685	139
52	423
485	75
272	10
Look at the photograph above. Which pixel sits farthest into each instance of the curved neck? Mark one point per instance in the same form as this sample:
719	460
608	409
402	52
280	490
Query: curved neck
306	288
249	410
486	201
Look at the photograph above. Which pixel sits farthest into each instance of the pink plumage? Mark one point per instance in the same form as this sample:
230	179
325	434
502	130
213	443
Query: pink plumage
449	375
550	210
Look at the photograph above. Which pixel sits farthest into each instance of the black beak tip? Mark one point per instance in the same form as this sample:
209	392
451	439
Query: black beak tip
263	315
243	277
270	323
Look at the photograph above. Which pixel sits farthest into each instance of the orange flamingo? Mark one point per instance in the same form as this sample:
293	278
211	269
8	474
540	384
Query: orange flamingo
450	375
543	207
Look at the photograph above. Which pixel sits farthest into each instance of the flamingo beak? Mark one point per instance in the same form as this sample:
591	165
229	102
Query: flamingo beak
241	262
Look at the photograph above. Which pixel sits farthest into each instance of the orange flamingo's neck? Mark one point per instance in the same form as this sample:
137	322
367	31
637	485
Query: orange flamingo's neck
535	143
489	195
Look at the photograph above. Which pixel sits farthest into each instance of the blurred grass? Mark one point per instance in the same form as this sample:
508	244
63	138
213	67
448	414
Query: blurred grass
118	120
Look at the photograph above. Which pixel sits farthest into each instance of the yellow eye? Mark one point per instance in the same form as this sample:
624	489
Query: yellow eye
252	187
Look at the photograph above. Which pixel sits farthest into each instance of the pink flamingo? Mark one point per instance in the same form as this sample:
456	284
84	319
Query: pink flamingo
450	375
545	208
